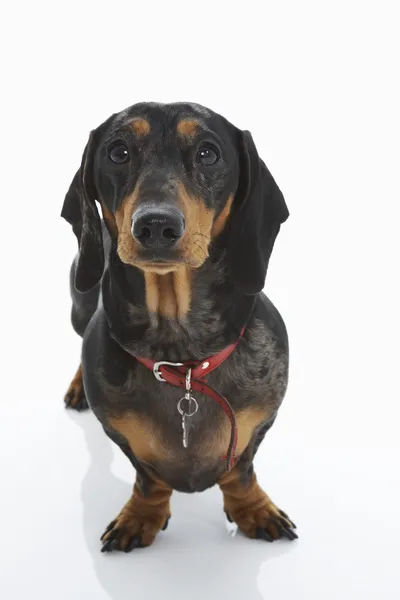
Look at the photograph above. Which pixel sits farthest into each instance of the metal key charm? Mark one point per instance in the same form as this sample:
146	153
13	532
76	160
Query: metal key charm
191	408
185	438
188	410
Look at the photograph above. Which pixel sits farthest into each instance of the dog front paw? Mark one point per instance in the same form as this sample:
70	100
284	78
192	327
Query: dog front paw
131	530
266	522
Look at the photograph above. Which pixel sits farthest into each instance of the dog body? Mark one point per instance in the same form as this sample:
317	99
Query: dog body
174	273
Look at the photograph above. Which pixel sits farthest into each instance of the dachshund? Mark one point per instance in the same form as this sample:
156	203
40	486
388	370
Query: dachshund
167	293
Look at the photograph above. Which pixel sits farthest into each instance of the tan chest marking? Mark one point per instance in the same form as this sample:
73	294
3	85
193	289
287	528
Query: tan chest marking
247	421
142	436
147	445
169	295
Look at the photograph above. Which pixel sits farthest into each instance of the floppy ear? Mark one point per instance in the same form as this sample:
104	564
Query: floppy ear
79	209
259	209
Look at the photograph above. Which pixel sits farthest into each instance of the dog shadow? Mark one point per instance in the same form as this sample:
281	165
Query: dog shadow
197	557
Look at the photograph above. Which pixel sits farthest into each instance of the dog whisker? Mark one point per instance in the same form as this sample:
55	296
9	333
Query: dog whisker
202	234
202	249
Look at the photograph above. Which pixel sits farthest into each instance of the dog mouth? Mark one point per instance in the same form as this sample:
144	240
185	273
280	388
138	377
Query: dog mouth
158	255
160	260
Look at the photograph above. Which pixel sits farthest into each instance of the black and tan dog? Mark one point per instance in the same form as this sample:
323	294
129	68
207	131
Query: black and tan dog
174	273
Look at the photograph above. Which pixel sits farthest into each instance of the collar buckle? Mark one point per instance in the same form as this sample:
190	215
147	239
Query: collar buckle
157	365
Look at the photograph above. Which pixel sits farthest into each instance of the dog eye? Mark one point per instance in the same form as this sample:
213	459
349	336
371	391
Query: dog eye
207	155
119	153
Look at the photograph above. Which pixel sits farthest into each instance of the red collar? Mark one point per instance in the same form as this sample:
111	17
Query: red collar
175	374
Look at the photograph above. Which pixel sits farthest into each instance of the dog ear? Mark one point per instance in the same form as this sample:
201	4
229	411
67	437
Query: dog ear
79	209
259	209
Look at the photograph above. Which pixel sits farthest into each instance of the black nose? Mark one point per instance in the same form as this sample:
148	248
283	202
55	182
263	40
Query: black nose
158	228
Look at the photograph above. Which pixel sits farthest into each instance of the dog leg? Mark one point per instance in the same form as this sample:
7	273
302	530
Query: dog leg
142	517
250	507
75	396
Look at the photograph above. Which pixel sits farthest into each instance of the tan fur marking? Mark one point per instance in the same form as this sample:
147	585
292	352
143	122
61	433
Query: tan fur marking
127	245
75	395
147	444
143	440
169	294
140	126
182	282
187	127
198	219
152	291
220	221
246	421
109	219
167	301
77	381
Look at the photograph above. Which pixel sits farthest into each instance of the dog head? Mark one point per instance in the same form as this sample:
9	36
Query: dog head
170	178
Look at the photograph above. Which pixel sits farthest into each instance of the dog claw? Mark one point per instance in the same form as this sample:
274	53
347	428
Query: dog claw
111	525
262	534
285	516
288	533
229	517
136	542
107	547
164	527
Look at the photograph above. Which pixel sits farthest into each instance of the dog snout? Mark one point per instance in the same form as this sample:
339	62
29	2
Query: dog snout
158	227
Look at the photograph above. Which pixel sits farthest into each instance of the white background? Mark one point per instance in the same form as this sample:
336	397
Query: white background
317	84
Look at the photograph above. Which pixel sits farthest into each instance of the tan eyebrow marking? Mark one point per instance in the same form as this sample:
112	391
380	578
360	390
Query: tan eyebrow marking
140	126
187	127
